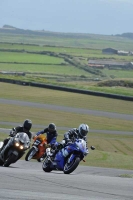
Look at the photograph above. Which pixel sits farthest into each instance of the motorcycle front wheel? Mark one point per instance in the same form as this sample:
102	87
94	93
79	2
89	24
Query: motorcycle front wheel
46	165
30	154
70	167
1	162
11	159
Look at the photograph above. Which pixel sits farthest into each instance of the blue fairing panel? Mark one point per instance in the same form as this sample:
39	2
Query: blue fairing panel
59	159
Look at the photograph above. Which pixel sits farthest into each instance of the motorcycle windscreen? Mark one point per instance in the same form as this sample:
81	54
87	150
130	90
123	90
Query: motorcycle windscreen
23	138
81	144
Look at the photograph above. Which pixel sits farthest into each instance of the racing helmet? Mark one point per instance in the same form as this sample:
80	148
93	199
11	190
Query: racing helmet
52	127
83	130
27	124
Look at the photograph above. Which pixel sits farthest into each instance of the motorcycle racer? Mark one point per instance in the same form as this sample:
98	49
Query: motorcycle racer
51	133
25	128
81	132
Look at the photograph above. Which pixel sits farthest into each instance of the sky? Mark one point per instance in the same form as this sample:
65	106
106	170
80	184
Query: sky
104	17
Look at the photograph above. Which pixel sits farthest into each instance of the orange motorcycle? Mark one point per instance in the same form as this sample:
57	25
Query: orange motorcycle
38	148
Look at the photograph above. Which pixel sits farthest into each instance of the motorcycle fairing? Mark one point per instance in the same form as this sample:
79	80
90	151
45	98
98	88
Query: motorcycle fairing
59	160
1	144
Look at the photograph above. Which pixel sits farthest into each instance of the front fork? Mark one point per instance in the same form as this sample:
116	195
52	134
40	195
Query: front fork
72	156
36	148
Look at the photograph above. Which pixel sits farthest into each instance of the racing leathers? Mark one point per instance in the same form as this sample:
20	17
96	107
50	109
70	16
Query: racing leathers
51	136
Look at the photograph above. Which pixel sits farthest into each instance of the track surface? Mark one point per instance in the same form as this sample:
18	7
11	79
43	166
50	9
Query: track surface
27	181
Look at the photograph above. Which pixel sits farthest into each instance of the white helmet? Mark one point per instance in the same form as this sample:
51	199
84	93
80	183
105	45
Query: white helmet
83	130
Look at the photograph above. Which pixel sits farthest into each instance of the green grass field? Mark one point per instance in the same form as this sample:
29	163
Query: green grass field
44	68
81	40
87	53
119	73
28	58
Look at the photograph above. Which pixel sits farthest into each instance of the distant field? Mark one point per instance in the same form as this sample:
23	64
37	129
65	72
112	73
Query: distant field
119	73
81	41
28	58
57	49
66	66
78	52
44	68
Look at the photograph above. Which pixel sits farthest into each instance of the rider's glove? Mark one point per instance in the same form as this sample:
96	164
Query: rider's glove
34	137
12	133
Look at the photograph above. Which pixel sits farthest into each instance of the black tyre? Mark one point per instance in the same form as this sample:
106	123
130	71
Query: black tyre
46	166
30	154
11	159
70	167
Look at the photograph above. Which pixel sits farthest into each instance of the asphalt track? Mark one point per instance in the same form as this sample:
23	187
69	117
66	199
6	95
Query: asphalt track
27	181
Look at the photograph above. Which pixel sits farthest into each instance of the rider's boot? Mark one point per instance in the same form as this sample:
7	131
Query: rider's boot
49	154
53	153
42	157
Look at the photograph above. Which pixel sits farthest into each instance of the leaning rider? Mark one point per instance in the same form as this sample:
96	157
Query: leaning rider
25	128
51	133
80	133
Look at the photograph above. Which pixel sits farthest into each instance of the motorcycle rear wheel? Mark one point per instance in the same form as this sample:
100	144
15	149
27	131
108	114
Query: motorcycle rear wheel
70	167
30	154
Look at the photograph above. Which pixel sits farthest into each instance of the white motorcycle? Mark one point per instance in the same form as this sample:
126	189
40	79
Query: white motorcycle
17	147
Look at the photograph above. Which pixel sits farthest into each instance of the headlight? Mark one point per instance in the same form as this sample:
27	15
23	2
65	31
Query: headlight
16	144
21	147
